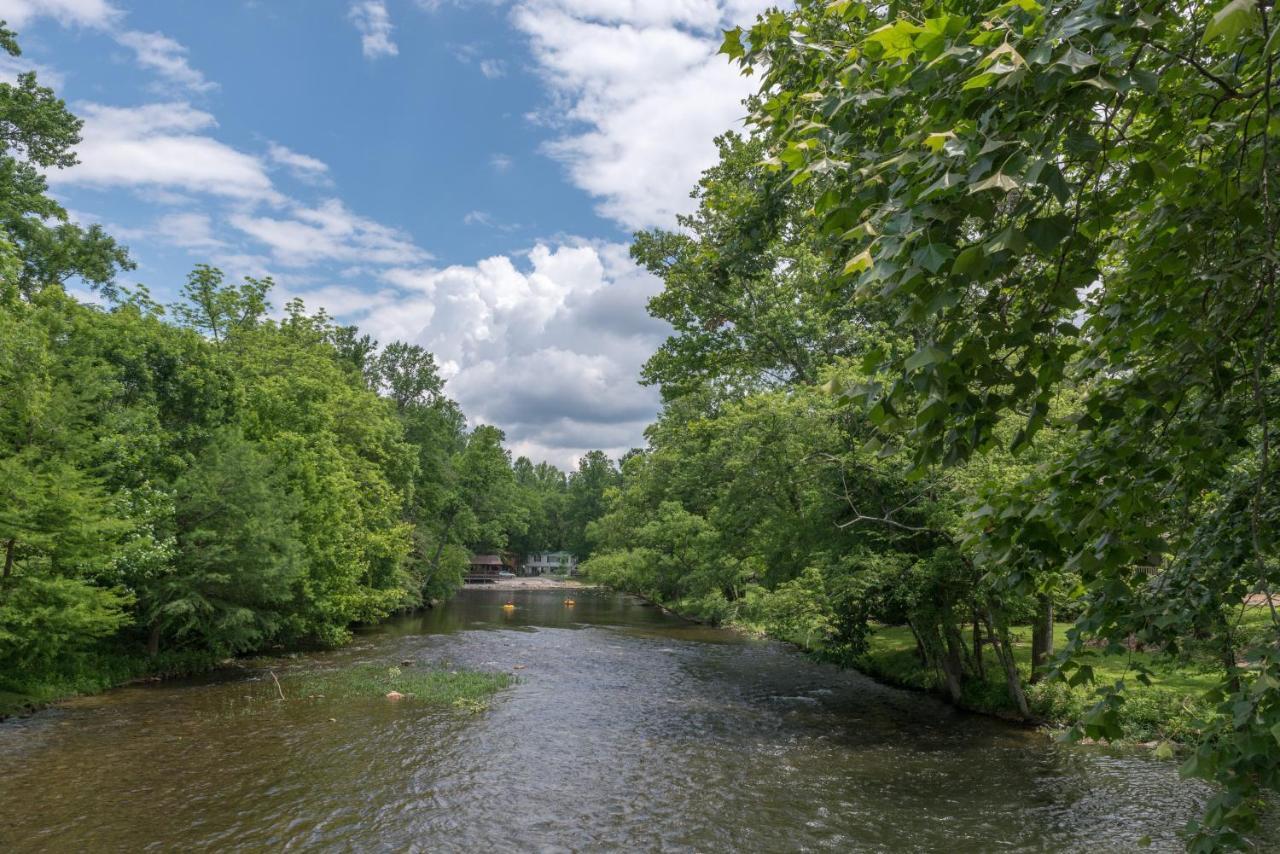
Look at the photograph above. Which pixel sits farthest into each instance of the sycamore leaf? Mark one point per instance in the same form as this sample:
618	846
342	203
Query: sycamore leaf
858	263
1232	20
967	260
935	141
926	355
1076	60
1007	52
732	45
998	181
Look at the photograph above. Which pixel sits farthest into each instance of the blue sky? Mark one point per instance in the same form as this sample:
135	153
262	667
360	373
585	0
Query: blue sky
463	174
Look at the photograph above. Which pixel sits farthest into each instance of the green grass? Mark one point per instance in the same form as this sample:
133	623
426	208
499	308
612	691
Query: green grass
468	690
93	672
1167	709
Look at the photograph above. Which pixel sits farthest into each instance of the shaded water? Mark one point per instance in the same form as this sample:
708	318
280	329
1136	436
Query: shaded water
628	730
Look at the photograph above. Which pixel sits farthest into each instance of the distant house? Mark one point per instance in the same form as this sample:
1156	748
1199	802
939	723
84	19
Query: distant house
557	563
484	568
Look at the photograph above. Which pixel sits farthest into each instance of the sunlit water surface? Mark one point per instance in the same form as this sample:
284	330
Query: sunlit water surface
628	730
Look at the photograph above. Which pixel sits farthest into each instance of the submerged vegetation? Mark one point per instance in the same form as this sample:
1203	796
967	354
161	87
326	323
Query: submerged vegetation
466	690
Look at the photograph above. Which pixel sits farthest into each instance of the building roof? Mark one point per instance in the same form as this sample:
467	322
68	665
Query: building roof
486	560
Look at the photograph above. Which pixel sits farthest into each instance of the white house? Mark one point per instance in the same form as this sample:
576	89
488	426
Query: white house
544	563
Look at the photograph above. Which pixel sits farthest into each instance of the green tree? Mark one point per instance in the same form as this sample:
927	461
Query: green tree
585	499
37	132
237	554
1072	193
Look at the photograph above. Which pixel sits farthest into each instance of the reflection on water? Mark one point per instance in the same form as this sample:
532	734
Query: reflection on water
629	729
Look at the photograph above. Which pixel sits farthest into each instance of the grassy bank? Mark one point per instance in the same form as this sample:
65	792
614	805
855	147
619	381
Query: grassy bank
1166	709
1171	708
94	672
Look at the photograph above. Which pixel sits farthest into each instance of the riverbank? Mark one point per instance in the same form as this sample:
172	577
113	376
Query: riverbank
1168	711
536	582
103	670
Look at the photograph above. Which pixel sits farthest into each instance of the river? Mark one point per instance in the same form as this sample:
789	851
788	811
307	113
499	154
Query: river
627	730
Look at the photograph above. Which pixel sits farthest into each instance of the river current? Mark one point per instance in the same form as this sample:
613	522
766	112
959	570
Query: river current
628	730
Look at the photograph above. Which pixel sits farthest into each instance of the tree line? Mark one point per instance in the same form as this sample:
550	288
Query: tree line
185	482
975	331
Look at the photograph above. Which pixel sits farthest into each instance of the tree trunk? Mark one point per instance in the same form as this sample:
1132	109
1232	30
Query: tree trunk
924	659
979	664
1229	657
153	641
1004	652
953	662
1041	637
8	556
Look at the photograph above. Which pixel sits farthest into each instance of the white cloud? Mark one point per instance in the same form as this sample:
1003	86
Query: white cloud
166	57
501	162
640	93
547	346
153	51
82	13
301	166
493	68
374	24
159	147
12	66
188	229
329	232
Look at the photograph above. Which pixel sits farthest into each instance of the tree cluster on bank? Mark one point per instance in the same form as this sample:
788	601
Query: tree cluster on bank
975	328
207	478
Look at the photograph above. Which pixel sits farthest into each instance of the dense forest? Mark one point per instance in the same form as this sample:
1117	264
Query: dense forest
181	483
974	335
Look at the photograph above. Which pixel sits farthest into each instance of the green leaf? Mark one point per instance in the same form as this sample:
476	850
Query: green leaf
935	141
967	260
858	263
1047	232
897	39
1076	60
1232	20
926	355
732	44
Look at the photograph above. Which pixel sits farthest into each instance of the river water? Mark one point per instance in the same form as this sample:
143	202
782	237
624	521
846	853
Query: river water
628	730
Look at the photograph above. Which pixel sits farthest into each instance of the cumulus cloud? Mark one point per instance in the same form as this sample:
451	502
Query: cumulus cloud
373	22
547	346
161	147
639	93
501	162
493	68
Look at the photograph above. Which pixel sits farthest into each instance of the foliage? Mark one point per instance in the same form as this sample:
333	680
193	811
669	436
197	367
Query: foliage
222	480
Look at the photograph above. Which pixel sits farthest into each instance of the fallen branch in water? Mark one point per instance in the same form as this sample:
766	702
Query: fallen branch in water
277	681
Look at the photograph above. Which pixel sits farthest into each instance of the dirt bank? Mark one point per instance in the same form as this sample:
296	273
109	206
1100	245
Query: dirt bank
537	582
